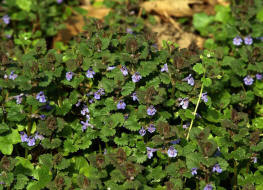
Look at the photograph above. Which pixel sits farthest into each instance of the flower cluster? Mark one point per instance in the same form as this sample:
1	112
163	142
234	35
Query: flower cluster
237	41
30	140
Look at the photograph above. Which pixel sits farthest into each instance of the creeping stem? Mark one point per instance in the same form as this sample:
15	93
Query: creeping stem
196	107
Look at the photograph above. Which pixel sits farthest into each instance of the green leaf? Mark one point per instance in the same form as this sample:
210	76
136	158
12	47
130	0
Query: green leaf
258	123
260	15
3	128
64	108
199	68
206	81
165	78
128	88
201	20
7	142
24	4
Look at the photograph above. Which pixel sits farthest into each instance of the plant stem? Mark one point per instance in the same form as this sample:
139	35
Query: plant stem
196	107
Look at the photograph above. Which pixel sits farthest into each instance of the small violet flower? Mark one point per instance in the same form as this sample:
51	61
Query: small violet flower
121	105
136	77
99	93
19	98
172	152
85	111
38	136
190	80
184	102
12	75
85	125
69	75
150	152
176	141
185	126
41	97
194	171
204	97
164	68
129	31
248	80
217	168
59	1
6	19
237	41
31	141
208	187
142	132
110	68
134	97
90	73
259	76
124	71
78	103
248	40
24	137
42	117
151	128
254	159
151	110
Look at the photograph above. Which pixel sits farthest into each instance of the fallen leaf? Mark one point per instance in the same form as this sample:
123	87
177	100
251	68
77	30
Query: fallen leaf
74	24
177	8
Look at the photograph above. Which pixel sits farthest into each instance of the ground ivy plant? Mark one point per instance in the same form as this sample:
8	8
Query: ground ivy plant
114	112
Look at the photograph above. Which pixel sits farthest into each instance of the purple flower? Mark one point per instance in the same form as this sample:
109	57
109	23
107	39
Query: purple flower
78	103
259	76
69	75
124	71
204	97
6	19
59	1
142	132
248	40
91	101
190	80
164	68
38	136
150	152
111	68
121	105
172	152
129	30
31	141
134	97
99	93
254	159
151	128
194	171
42	117
12	75
19	98
90	73
237	41
217	168
23	136
176	141
208	187
85	110
185	126
136	77
184	102
85	125
248	80
151	110
41	97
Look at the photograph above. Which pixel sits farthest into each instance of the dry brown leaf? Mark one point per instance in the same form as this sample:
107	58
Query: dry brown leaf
74	24
187	38
178	8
